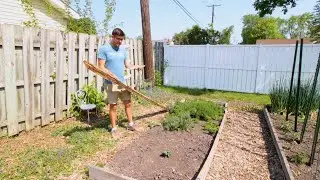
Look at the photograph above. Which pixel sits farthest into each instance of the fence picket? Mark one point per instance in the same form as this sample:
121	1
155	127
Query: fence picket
10	79
81	59
92	41
28	61
71	68
45	83
59	76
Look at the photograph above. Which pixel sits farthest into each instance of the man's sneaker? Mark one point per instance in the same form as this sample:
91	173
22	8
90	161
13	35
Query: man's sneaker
132	128
114	133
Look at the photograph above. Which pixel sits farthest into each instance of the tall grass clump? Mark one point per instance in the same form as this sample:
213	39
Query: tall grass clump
279	95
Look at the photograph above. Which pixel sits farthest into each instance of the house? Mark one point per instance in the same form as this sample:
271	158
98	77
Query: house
12	12
281	41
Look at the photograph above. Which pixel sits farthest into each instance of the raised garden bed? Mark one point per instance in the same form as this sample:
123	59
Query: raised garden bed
294	156
179	147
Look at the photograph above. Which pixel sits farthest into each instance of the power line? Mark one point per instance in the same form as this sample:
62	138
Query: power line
187	12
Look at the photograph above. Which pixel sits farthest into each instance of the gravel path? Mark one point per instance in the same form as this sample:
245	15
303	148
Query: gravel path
245	150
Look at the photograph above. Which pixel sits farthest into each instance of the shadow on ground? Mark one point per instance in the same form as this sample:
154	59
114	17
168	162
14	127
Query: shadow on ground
274	164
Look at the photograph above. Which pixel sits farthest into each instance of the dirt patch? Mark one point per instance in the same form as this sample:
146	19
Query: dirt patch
292	149
245	150
142	159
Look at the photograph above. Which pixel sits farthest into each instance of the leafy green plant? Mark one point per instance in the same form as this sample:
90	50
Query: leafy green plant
183	115
82	25
299	158
93	97
174	123
200	109
166	154
158	78
212	127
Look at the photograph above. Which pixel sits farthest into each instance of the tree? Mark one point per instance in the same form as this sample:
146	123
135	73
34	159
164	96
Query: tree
265	7
198	35
255	27
299	26
315	23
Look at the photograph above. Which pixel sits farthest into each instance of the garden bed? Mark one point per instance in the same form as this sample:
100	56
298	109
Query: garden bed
173	149
295	156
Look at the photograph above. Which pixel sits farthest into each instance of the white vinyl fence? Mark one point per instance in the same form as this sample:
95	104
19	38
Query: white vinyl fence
240	68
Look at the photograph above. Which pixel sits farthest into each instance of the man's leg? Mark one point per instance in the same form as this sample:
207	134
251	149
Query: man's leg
113	115
125	96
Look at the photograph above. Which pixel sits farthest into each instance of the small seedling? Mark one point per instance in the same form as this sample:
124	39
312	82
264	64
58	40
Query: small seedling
166	154
299	158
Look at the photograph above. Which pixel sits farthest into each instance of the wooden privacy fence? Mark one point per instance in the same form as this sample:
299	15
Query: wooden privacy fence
40	69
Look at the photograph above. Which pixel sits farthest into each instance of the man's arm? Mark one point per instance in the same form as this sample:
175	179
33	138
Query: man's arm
131	66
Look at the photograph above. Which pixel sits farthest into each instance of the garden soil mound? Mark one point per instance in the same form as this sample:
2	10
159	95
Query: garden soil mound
142	159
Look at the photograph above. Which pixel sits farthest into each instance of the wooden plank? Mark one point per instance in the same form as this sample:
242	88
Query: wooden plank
71	68
10	79
92	41
110	76
81	59
97	173
28	60
45	83
59	76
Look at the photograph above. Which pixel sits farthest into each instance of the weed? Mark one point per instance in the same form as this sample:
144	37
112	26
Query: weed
166	154
286	126
212	127
299	158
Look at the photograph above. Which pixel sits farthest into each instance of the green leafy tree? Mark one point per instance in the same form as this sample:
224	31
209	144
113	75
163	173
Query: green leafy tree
315	23
82	25
265	7
255	27
226	35
299	26
198	35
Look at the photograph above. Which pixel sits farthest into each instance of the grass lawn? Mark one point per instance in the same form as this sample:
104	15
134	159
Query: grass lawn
259	99
60	149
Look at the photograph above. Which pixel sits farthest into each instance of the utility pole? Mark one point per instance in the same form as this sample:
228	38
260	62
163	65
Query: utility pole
213	5
147	44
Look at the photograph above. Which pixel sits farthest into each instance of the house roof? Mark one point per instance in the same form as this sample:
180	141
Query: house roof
63	5
281	41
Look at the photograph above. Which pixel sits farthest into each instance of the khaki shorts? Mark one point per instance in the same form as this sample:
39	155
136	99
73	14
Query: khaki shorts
114	92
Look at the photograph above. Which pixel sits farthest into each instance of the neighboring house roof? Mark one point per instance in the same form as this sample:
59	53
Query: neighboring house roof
281	41
63	5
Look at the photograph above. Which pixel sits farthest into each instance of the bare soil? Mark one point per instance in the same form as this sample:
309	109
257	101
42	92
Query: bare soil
292	148
142	159
245	149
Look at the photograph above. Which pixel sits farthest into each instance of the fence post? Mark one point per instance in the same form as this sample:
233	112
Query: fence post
257	67
205	68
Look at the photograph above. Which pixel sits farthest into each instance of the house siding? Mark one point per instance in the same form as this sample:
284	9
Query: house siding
11	12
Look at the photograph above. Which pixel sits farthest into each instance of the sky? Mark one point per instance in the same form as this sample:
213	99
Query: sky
166	18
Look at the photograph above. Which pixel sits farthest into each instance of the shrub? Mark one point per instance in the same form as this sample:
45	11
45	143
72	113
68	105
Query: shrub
299	158
185	114
200	109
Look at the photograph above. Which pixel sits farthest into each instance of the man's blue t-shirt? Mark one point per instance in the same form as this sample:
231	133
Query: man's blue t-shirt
115	59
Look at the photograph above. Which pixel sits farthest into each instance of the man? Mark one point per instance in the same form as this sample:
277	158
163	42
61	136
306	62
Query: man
113	57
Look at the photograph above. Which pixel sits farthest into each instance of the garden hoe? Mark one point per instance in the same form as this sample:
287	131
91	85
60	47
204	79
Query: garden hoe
114	79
